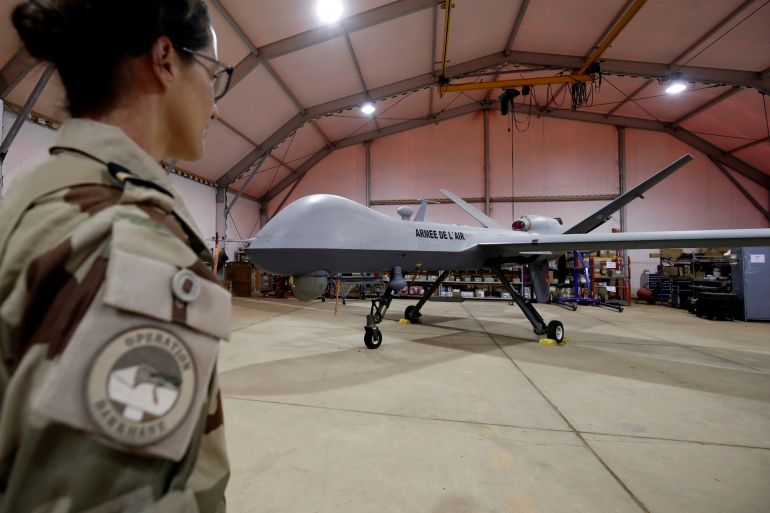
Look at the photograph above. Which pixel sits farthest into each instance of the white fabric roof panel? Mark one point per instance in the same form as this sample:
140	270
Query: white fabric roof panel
342	125
319	73
565	28
670	107
302	143
663	29
231	48
268	21
222	150
247	107
394	50
476	29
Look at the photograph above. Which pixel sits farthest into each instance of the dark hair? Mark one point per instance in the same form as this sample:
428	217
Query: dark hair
88	40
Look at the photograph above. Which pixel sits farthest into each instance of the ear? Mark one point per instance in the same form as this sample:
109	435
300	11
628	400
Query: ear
164	61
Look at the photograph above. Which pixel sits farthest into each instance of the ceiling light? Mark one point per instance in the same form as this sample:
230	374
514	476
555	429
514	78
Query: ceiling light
367	108
329	10
676	87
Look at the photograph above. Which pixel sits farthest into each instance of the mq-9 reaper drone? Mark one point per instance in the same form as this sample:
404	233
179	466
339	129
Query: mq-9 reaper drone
321	235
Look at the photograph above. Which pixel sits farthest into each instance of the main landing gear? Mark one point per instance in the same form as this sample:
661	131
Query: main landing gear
554	330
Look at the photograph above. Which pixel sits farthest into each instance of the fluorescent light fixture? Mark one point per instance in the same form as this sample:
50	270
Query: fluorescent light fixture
368	108
329	10
675	87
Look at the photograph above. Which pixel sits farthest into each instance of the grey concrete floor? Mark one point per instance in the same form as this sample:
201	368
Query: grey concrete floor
650	410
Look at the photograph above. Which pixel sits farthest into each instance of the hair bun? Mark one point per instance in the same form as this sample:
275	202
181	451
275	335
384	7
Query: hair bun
40	25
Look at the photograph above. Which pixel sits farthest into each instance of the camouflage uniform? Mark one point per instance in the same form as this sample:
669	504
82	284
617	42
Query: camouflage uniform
109	331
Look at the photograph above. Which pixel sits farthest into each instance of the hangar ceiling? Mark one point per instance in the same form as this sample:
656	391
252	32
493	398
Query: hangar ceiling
298	84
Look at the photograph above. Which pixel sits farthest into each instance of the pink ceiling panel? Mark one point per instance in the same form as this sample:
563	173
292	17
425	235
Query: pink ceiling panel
319	73
670	107
223	149
663	29
267	175
757	191
740	115
566	28
720	140
305	142
757	156
747	47
257	106
52	103
345	124
231	48
476	29
267	21
394	50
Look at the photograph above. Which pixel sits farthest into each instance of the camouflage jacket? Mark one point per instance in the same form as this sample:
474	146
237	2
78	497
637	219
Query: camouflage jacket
109	332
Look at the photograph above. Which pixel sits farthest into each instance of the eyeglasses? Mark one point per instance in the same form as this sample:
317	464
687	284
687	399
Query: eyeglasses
220	77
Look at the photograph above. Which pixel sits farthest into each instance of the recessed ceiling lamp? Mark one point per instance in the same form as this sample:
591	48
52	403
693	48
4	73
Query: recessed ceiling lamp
329	10
676	87
368	108
674	84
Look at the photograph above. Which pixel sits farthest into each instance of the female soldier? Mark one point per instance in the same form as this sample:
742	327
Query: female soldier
109	320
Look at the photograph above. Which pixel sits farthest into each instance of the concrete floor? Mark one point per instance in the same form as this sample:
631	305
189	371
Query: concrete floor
651	410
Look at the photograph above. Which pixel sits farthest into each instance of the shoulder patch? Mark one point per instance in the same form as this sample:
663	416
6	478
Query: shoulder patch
141	386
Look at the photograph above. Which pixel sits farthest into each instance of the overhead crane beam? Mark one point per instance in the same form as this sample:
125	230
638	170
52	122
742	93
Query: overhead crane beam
516	82
604	41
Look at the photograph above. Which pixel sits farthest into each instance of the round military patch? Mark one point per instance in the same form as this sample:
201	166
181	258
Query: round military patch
141	385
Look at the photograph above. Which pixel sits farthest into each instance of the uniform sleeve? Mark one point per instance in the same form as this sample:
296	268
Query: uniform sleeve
110	396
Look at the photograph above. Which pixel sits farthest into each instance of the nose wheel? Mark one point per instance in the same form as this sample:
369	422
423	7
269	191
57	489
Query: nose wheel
555	331
372	337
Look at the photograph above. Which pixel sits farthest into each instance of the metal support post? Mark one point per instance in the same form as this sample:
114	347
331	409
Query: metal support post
368	172
623	218
486	161
221	215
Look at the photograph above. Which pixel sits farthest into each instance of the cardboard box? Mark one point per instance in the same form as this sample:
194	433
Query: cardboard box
480	293
671	253
466	293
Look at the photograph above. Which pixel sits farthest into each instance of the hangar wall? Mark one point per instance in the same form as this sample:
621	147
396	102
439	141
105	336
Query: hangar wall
548	158
31	148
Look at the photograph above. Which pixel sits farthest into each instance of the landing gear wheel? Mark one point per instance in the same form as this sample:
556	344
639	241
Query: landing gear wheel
372	338
410	314
620	309
555	331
